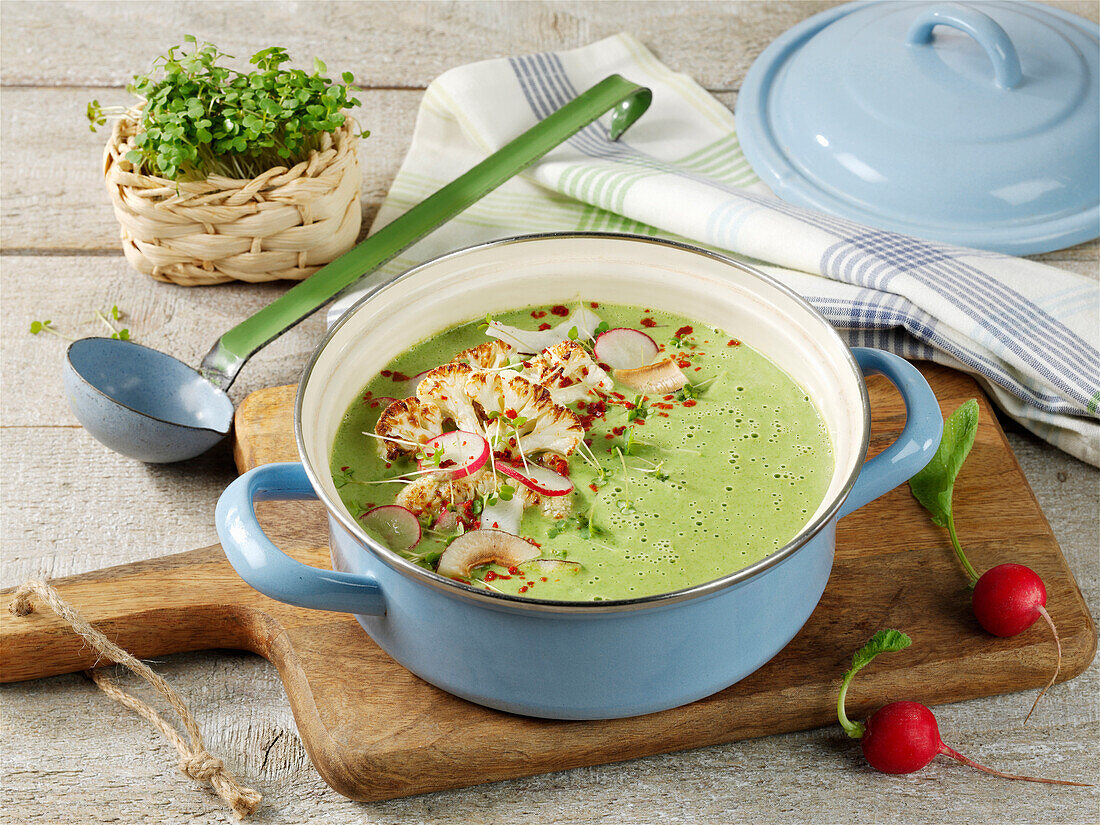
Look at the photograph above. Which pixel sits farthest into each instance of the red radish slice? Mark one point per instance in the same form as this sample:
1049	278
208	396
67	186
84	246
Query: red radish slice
408	388
623	348
397	527
460	454
552	567
542	481
447	521
478	547
662	377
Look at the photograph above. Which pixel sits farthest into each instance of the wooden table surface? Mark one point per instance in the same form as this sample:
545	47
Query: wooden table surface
68	505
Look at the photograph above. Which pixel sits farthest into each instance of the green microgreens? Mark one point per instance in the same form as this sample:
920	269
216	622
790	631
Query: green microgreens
200	118
47	326
885	641
639	408
934	485
488	322
582	522
574	333
676	342
696	390
122	334
601	328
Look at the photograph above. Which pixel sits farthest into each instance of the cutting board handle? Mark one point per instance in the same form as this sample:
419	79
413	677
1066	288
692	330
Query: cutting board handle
148	608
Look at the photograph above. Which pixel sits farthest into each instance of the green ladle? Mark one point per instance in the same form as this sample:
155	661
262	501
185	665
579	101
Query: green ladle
148	405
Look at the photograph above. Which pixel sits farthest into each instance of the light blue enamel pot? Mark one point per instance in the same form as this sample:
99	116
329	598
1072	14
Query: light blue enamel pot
571	660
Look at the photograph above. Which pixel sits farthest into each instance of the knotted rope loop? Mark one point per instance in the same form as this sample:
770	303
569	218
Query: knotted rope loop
195	760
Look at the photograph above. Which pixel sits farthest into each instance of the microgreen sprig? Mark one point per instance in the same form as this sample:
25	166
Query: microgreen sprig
47	326
200	118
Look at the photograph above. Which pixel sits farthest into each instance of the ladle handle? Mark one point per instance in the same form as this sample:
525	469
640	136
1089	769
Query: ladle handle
627	101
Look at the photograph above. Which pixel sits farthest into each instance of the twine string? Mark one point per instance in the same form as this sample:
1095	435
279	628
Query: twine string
196	761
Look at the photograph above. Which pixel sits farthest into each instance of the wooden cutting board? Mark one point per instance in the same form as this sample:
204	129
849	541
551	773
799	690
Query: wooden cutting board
375	731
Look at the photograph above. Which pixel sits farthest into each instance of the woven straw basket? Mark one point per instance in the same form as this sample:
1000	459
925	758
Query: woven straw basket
286	223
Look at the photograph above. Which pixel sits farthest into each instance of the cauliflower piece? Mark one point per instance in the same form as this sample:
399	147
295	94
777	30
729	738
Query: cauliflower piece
487	356
407	420
568	372
432	492
445	388
544	425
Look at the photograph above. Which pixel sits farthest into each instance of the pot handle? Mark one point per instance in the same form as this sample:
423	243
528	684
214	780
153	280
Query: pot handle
267	568
918	441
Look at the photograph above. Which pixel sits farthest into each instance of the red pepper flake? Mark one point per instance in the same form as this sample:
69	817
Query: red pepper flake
490	576
538	313
608	436
514	571
505	577
344	469
733	342
648	322
683	362
581	405
647	310
690	402
385	373
682	331
559	310
593	488
543	579
543	326
523	589
640	421
698	368
588	441
663	414
400	376
510	413
618	430
666	397
619	395
389	464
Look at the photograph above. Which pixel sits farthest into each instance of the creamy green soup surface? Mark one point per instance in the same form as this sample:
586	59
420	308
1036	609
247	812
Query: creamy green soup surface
674	489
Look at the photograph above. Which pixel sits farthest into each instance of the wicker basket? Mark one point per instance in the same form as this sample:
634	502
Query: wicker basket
286	223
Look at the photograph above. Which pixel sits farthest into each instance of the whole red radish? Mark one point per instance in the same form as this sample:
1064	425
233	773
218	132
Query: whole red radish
1008	598
903	737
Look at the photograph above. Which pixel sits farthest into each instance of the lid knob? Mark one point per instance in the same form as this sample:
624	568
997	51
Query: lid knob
983	28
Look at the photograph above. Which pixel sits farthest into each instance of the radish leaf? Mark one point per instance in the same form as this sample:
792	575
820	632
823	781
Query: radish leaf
934	486
885	641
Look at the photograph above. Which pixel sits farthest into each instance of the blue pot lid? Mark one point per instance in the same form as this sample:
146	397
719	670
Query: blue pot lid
975	124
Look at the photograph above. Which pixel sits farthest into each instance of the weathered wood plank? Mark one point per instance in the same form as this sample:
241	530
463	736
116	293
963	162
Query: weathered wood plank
52	183
384	44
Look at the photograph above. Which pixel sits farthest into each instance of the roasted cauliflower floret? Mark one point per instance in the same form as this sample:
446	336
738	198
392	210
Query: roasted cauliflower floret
433	492
488	356
529	420
445	388
405	424
568	372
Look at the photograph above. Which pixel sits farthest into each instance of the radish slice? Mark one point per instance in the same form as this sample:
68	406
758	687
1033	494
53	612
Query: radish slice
552	567
504	515
542	481
662	377
408	388
460	453
625	349
478	547
397	527
447	521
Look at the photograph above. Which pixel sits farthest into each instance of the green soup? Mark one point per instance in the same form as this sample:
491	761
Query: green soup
686	487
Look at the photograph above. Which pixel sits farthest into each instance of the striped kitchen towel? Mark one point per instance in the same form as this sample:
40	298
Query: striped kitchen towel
1029	332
